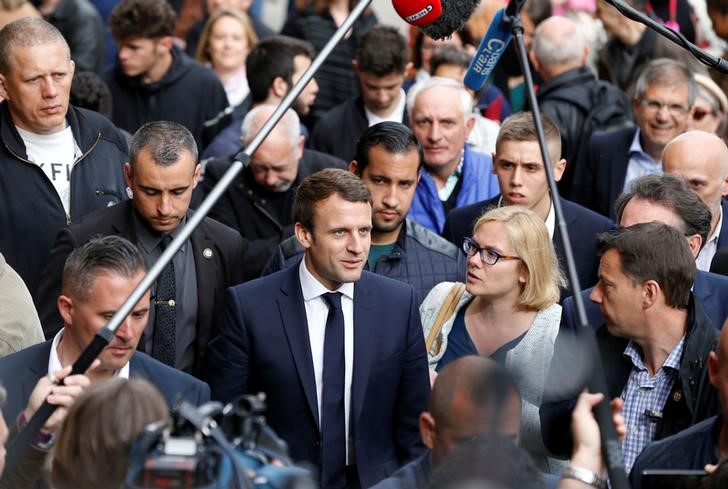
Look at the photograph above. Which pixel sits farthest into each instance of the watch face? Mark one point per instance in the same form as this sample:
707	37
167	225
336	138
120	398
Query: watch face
672	479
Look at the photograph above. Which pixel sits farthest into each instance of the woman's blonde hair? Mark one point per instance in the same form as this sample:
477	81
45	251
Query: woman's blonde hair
201	55
530	239
93	445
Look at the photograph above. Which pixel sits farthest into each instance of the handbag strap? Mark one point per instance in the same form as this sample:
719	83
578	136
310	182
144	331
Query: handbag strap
446	310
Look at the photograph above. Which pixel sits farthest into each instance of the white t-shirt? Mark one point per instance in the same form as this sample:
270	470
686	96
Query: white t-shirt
54	154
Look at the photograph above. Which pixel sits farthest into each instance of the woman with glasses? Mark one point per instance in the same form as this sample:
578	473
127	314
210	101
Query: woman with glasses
508	312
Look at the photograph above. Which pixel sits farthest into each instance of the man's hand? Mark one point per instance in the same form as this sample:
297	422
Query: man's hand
62	396
585	430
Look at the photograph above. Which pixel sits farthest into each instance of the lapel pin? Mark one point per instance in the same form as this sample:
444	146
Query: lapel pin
677	396
207	253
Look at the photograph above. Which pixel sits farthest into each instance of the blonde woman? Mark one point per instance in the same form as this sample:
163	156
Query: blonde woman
508	311
224	45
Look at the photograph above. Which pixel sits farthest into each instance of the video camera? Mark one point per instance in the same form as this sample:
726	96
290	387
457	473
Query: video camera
214	447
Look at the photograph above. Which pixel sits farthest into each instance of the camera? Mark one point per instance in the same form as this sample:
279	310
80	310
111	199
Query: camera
214	446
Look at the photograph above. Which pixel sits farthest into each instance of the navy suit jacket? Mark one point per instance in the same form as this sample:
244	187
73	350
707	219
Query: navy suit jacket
710	289
20	372
583	225
599	182
264	346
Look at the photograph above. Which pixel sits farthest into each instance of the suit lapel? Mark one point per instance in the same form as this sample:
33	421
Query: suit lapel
293	317
206	266
38	369
365	335
618	166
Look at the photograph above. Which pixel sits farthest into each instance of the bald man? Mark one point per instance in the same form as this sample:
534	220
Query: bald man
471	396
701	159
560	53
701	444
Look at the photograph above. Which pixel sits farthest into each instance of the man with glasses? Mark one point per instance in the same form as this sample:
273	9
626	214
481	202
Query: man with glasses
663	100
518	164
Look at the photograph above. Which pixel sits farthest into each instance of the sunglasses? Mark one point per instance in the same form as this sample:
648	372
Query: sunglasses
699	114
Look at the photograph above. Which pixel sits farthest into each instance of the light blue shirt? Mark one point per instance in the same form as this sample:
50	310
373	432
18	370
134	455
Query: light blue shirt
645	398
640	163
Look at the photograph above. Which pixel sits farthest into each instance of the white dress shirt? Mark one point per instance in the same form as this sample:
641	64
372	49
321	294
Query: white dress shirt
316	314
707	253
54	362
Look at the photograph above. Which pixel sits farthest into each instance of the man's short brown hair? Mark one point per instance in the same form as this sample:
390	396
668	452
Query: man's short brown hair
142	19
322	185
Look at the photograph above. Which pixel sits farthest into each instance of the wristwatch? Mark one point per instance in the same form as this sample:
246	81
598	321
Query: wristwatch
585	476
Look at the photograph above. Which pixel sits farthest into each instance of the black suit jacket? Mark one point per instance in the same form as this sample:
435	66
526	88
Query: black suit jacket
245	207
20	372
218	258
600	180
583	226
264	346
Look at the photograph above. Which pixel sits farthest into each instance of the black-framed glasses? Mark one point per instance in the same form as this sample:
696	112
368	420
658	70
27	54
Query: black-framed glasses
655	106
487	255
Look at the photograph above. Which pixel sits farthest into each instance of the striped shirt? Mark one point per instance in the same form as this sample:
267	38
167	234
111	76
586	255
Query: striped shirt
644	399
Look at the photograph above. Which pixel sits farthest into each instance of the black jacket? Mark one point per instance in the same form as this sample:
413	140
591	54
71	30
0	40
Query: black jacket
188	93
217	252
339	129
31	213
420	258
245	207
567	99
82	27
692	398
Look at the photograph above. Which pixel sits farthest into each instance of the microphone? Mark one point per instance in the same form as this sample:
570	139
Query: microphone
494	43
438	19
418	12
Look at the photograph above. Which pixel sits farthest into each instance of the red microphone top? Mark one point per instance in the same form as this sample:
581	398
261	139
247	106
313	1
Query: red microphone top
418	12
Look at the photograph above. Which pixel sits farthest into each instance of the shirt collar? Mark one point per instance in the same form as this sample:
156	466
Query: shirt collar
636	150
718	227
148	238
312	288
54	362
634	353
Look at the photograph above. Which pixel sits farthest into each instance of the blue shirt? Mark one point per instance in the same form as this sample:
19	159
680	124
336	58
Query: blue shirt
644	399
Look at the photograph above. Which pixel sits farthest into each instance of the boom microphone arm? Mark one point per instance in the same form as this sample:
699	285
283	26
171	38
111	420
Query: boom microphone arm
610	444
701	55
102	338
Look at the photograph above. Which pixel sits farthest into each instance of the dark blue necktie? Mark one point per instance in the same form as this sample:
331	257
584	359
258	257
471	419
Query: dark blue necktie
163	347
333	425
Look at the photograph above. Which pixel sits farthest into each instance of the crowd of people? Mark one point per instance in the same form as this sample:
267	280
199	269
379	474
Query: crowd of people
390	266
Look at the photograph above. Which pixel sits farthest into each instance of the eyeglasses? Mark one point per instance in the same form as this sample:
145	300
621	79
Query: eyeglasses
487	255
655	106
699	114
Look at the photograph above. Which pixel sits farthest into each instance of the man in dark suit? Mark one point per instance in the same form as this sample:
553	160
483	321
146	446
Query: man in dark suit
667	199
338	352
258	203
522	180
97	279
161	172
701	159
662	104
